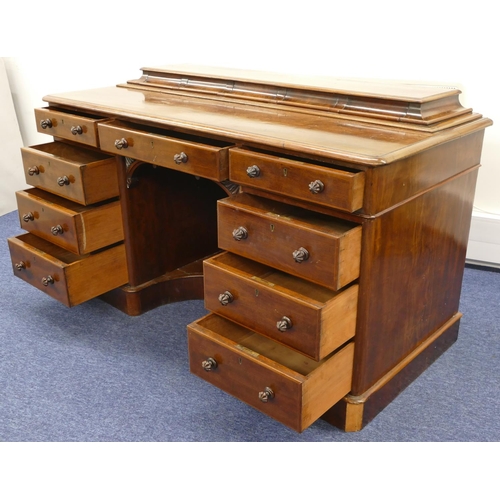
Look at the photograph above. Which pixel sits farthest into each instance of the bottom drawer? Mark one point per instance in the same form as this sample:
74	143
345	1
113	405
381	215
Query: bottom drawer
69	278
272	378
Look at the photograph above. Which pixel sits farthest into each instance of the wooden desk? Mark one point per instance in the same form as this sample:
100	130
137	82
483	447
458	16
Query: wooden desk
325	223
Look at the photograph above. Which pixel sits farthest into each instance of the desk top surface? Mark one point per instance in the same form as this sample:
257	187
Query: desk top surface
345	120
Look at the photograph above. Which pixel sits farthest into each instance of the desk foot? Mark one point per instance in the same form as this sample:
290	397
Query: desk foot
354	412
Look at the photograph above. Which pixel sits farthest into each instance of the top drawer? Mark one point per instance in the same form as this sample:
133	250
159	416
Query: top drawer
306	181
82	129
193	155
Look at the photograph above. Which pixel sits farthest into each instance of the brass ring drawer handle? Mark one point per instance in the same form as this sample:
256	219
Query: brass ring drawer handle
55	230
300	255
266	395
48	280
316	187
28	217
20	265
33	171
253	171
76	130
226	298
284	324
181	158
209	364
240	234
47	123
63	180
121	143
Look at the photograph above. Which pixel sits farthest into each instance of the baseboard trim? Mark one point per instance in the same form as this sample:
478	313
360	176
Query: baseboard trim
484	240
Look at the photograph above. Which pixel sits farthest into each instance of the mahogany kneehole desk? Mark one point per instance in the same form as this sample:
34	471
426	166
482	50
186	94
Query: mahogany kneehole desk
324	222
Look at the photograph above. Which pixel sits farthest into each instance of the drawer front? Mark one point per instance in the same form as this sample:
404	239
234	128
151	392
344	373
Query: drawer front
319	249
76	228
68	278
74	127
204	160
79	174
314	183
310	319
293	398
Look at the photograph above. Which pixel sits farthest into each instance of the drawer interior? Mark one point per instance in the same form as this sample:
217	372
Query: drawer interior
55	251
306	290
307	219
70	152
182	136
254	344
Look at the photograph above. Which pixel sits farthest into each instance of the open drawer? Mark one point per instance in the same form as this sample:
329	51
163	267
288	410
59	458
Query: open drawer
307	317
321	249
314	182
69	278
282	383
198	156
78	228
77	173
81	128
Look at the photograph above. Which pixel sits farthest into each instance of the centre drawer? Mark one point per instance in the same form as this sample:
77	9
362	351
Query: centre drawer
316	247
193	155
282	383
77	173
78	228
316	183
302	315
66	277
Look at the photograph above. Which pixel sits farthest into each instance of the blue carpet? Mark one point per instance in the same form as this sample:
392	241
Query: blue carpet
94	374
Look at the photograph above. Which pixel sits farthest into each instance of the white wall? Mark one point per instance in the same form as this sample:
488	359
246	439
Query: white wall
104	43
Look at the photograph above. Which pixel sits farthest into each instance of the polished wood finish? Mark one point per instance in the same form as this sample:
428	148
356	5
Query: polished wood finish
247	363
350	203
78	228
321	319
352	413
91	175
170	220
276	231
338	188
191	155
75	279
78	128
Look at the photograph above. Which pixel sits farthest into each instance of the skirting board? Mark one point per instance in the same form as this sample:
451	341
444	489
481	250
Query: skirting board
484	240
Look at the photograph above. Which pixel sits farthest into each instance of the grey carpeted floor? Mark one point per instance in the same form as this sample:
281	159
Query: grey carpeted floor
92	373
